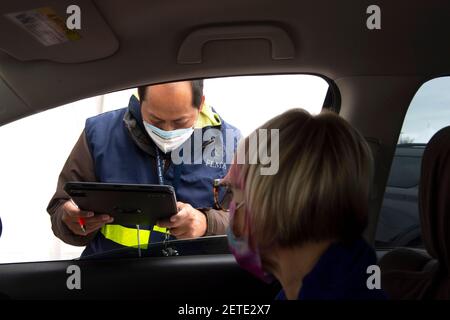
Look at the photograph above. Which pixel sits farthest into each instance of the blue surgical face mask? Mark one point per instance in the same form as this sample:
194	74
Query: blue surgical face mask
168	141
167	134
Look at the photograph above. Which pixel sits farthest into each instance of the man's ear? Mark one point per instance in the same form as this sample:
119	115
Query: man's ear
201	104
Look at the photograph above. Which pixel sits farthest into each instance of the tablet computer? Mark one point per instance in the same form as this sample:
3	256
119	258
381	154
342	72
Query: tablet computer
133	204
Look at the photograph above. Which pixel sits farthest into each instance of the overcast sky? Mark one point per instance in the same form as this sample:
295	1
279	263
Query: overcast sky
429	110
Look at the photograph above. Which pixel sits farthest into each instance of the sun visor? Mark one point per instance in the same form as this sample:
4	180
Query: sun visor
44	30
11	106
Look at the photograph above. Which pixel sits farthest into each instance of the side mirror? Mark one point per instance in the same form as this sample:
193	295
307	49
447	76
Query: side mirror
0	227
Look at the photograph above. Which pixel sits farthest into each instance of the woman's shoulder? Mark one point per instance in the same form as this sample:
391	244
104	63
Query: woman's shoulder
342	273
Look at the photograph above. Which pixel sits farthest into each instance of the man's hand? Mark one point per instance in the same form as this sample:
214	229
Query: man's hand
71	215
187	223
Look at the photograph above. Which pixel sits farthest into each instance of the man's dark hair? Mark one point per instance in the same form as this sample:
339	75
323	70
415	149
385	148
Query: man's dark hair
197	92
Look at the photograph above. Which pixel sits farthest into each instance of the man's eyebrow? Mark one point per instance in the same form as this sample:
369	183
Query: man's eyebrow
155	117
184	117
181	118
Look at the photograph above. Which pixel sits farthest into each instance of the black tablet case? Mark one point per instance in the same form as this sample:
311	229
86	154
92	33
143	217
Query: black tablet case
129	204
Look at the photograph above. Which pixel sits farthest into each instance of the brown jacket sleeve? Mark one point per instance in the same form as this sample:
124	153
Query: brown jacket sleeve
78	167
217	221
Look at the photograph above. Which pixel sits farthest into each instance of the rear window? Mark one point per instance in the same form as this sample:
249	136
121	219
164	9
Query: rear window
429	112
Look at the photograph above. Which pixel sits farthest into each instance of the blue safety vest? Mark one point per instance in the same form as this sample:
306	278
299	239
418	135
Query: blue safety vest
118	159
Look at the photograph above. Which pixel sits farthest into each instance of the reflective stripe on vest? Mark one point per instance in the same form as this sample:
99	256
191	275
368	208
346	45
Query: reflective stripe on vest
128	237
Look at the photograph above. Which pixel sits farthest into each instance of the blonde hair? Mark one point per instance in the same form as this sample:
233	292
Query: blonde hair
321	189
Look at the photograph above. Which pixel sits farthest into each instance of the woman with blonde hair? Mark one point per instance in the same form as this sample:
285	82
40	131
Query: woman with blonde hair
303	225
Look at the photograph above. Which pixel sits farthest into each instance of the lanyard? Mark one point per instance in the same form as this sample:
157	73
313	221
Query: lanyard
159	167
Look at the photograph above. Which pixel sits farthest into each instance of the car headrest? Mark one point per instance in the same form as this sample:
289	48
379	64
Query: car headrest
434	197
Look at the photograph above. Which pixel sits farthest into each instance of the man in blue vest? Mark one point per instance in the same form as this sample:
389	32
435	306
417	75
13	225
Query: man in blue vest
139	144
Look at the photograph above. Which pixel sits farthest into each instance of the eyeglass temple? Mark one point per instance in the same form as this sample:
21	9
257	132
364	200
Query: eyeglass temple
216	184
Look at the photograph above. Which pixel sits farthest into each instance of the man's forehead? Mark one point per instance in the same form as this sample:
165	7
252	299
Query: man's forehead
176	88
